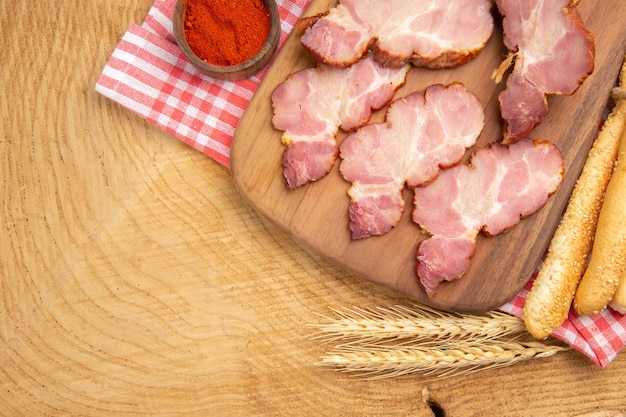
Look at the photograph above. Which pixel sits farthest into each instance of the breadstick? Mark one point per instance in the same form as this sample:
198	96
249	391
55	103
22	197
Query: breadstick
608	255
618	303
619	298
548	303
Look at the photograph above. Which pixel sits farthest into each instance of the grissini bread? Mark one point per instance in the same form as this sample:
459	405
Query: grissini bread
601	279
619	298
550	298
618	303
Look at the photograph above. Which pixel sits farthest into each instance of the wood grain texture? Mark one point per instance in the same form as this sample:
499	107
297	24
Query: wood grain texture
135	279
317	214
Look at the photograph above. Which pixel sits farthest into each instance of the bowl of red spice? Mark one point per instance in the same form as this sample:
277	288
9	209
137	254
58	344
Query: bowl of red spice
226	39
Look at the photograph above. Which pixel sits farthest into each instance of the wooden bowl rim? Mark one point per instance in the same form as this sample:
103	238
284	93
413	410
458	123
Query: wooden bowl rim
232	72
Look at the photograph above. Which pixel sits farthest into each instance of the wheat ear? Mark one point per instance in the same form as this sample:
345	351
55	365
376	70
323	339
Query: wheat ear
376	362
398	340
417	324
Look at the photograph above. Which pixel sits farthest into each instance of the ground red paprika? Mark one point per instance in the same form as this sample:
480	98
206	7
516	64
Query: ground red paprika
226	32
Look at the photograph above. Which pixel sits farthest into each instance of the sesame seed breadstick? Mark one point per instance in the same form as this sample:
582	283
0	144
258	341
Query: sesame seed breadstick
618	303
619	298
548	303
618	208
608	257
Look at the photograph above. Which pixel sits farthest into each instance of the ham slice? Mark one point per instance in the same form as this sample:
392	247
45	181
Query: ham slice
430	33
553	54
312	104
501	185
421	134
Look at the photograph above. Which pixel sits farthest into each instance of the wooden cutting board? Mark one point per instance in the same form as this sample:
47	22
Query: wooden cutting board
316	215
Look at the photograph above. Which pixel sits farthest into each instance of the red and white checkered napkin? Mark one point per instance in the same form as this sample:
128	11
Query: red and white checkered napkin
600	336
148	74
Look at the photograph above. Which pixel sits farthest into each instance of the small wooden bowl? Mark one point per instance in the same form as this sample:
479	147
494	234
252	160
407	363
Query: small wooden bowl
233	72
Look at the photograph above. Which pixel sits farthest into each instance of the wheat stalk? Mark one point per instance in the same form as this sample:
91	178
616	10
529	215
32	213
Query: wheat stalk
376	362
398	340
417	323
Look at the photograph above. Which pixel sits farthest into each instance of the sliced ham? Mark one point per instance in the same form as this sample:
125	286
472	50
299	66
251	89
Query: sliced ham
312	104
553	54
431	33
501	185
421	134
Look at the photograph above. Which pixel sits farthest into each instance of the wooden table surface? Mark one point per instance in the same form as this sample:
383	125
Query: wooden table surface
135	280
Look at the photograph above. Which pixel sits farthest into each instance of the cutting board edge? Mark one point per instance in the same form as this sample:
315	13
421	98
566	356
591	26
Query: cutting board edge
285	226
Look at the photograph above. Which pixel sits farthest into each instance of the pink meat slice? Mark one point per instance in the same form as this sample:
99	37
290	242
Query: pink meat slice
421	134
312	104
501	185
553	54
431	33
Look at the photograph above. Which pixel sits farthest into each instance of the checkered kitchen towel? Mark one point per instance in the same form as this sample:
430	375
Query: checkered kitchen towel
148	74
600	336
